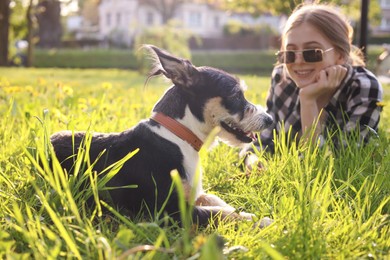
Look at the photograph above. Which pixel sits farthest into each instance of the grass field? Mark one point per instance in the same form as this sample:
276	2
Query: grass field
326	204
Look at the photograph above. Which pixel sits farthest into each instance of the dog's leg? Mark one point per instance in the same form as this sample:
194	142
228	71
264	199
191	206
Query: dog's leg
209	206
205	199
212	202
204	215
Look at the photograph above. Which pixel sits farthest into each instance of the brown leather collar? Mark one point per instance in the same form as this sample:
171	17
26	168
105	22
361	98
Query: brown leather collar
178	129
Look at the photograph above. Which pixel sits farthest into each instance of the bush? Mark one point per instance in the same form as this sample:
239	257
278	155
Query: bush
236	28
379	39
171	37
85	58
258	62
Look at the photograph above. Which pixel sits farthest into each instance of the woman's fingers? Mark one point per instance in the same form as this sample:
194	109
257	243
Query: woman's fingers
334	75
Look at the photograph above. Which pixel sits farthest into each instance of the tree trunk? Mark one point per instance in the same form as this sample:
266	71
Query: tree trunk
4	31
30	34
49	23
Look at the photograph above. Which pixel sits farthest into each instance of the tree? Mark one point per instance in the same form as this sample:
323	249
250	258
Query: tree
4	31
166	8
351	8
256	7
49	22
31	22
170	36
89	11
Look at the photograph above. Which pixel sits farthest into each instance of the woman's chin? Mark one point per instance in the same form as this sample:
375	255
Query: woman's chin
303	82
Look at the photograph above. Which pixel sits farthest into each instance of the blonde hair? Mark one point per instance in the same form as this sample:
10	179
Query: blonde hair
330	23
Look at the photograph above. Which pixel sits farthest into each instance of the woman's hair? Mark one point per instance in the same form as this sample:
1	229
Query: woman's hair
330	23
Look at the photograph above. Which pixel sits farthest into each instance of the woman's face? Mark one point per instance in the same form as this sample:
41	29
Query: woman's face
305	37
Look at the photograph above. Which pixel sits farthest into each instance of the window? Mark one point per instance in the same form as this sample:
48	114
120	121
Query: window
385	23
216	21
195	19
149	18
108	19
118	18
385	3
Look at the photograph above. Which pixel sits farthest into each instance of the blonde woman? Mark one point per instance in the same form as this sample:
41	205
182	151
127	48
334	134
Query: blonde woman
320	84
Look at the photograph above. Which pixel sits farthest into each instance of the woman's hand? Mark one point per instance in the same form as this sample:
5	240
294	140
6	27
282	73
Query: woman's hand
327	82
317	95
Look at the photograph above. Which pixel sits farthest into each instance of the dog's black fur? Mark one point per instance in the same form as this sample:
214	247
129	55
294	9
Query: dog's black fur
201	98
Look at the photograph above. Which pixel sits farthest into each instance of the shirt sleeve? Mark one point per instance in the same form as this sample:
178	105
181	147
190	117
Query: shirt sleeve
363	106
357	111
266	141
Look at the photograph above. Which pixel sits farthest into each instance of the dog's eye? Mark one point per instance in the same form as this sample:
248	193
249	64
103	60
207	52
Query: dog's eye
236	95
235	102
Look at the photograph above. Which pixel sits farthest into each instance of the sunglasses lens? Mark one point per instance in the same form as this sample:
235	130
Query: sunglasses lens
289	57
286	56
312	55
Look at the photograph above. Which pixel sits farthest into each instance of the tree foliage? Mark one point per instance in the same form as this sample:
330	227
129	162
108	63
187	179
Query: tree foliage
166	8
171	37
90	12
258	7
278	7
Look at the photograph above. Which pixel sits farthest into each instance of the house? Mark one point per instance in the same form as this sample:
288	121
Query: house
384	27
120	21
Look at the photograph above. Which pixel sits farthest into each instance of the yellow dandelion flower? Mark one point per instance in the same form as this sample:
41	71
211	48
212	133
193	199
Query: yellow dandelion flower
82	107
92	102
136	106
264	95
12	89
59	95
59	116
4	82
29	89
68	91
380	104
107	85
199	241
41	81
82	101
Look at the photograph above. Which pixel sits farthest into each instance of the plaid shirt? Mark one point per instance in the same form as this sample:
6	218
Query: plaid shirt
355	104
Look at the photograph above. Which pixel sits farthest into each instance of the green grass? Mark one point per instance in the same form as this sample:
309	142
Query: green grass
326	205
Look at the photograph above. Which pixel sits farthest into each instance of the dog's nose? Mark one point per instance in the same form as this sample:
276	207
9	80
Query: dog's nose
268	120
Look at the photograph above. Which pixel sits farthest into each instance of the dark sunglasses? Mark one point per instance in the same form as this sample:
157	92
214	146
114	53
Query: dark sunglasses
310	55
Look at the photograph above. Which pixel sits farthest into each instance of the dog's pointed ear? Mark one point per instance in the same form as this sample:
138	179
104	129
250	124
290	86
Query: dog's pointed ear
180	71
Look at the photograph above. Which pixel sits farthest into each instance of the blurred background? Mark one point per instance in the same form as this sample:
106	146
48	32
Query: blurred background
235	35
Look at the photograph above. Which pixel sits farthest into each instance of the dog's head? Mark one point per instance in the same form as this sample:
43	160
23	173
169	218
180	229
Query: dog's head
214	97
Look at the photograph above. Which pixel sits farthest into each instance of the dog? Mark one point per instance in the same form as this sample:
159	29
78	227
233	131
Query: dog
200	100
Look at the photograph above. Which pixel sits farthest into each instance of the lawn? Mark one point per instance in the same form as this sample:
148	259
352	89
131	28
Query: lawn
326	204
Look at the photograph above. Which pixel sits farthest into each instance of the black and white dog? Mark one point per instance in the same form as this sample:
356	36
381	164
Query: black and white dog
201	99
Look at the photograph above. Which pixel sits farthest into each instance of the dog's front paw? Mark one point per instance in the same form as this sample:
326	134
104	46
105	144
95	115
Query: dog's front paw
247	216
252	163
264	222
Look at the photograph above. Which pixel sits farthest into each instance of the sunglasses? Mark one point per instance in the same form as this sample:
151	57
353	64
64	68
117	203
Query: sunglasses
310	55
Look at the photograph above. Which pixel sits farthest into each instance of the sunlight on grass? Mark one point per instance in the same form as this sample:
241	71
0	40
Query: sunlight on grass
326	203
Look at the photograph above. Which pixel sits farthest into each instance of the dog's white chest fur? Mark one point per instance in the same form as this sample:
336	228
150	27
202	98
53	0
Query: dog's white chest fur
190	157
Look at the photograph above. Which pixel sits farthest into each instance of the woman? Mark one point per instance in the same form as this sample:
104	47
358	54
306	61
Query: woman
320	84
